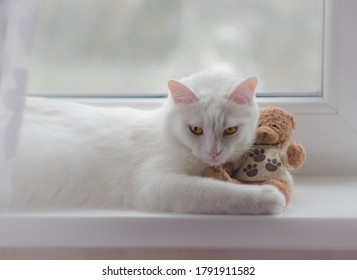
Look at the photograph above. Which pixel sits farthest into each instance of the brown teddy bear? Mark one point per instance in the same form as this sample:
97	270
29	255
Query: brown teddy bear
272	155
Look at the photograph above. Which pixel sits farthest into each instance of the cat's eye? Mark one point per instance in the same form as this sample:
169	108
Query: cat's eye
196	130
230	130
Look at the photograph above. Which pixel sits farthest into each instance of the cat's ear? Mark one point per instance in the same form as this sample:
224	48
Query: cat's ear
181	94
243	92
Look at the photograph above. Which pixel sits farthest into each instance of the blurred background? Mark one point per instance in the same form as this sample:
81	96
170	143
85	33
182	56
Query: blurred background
132	47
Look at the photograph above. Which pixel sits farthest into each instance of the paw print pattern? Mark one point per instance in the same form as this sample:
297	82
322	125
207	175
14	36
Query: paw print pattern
272	165
251	170
258	155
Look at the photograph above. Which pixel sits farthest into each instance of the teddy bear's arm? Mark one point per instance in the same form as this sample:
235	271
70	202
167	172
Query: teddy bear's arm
296	154
219	173
229	168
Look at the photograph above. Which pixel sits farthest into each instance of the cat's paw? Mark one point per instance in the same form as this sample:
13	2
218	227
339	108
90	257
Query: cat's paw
271	201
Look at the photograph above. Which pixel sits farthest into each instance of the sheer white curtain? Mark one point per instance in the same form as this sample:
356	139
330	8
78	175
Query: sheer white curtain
17	23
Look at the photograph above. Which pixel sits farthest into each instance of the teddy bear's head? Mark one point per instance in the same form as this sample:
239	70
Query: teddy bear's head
274	127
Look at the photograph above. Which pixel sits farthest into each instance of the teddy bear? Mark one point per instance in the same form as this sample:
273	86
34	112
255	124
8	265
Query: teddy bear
272	156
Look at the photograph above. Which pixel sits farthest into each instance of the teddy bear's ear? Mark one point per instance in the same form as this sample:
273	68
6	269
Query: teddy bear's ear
293	121
263	109
243	92
180	93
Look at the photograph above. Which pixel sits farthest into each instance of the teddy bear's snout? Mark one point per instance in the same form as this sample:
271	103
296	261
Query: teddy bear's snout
267	135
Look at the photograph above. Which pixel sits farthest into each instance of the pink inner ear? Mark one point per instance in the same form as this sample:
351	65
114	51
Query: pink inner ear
181	94
244	92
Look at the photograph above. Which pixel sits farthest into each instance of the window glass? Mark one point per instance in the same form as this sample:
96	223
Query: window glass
132	47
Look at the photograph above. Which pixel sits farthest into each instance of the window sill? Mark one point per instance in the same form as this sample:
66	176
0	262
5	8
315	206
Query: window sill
321	216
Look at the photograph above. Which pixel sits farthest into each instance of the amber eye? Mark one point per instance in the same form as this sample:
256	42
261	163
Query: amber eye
196	130
230	130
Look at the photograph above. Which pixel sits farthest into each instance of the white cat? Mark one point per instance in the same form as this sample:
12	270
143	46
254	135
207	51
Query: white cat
73	155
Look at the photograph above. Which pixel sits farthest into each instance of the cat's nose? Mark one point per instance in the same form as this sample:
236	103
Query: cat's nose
214	154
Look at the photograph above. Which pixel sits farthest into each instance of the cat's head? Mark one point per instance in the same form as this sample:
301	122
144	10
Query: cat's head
214	115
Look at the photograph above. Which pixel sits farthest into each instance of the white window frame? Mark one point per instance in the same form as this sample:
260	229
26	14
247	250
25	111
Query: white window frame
327	125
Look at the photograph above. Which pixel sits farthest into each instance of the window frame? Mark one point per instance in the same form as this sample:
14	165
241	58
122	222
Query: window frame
326	145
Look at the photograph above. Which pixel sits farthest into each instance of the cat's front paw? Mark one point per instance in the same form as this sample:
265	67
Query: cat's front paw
272	201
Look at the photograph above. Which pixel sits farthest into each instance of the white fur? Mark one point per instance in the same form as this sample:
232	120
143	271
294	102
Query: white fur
72	155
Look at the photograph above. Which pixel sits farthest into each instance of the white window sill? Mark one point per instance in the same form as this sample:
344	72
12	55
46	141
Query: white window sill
321	216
